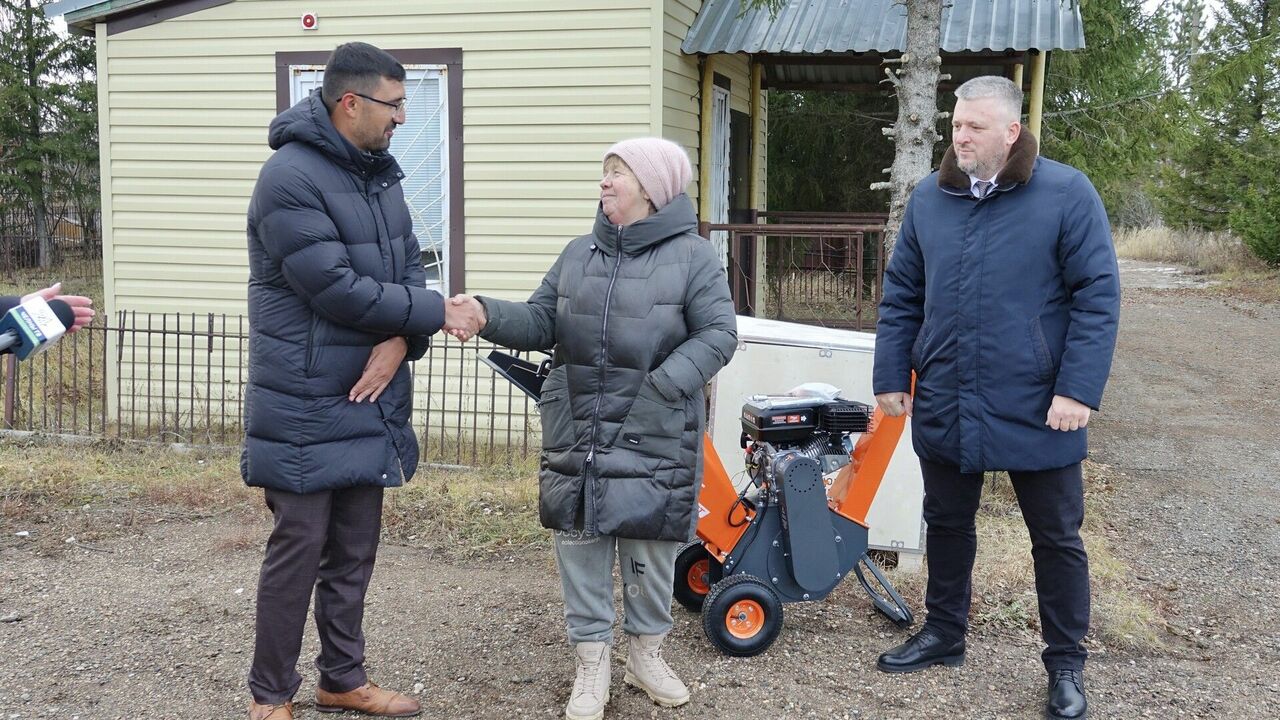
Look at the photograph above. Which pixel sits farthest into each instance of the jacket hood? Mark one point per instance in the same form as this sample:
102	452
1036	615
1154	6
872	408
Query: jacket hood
1017	168
674	219
308	122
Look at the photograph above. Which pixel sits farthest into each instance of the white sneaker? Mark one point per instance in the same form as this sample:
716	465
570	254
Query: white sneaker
648	671
591	686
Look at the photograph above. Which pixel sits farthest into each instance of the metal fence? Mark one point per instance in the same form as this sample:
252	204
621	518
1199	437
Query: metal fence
161	377
818	268
71	246
180	378
467	414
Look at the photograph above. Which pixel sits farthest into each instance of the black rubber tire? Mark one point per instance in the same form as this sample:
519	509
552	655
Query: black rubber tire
729	592
688	596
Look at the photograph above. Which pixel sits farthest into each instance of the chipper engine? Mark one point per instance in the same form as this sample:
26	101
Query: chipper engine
786	536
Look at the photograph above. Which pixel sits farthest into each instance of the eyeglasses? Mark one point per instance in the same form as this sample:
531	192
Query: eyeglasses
398	106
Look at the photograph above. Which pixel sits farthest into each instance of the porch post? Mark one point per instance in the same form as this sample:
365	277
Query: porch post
1036	107
757	72
757	184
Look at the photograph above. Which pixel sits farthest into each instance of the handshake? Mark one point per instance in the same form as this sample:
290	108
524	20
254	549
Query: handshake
464	317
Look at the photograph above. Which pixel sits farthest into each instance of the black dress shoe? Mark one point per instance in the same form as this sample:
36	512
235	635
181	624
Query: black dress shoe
1066	695
924	649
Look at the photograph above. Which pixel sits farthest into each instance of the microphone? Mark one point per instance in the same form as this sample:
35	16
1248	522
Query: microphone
33	326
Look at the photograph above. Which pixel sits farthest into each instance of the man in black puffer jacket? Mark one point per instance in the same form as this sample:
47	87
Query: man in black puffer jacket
337	305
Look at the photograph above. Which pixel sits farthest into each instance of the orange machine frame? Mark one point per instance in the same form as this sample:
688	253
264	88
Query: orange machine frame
723	520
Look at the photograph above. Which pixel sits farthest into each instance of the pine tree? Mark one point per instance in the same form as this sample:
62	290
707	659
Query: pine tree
915	134
1227	175
1107	107
823	147
41	77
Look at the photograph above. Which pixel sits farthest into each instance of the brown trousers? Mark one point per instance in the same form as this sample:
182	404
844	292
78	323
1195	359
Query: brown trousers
327	541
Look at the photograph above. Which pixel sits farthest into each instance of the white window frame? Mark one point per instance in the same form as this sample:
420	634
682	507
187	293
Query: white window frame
304	78
719	176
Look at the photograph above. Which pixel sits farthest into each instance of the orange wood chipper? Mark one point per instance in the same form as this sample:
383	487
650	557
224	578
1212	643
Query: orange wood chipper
785	536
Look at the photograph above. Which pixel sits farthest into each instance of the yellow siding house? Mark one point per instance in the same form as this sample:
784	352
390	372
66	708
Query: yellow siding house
512	103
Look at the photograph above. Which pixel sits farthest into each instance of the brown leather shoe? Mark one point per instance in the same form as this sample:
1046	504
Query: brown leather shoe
283	711
368	699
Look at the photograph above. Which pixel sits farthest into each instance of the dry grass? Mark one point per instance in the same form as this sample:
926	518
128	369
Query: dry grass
78	277
95	490
463	513
1236	271
38	473
1206	252
91	492
1004	580
1253	285
87	490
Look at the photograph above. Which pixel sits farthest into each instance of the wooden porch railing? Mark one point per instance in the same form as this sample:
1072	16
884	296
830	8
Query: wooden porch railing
825	271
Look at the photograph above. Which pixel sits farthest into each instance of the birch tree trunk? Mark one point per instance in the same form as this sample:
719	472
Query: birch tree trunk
915	78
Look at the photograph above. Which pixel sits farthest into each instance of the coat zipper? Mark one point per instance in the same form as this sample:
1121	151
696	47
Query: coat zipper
395	444
311	342
363	186
589	515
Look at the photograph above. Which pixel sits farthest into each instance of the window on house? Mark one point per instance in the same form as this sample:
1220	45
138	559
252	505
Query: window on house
428	148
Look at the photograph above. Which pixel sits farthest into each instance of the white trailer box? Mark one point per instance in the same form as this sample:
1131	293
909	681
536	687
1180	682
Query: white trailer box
774	357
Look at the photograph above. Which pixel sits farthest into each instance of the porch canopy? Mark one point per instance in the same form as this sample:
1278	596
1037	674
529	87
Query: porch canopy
841	45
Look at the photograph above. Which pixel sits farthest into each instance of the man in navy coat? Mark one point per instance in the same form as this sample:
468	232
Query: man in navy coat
1003	297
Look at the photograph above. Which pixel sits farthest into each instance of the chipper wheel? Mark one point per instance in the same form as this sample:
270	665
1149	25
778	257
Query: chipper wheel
742	616
696	572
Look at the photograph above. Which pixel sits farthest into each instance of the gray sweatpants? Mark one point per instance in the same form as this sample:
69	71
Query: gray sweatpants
586	578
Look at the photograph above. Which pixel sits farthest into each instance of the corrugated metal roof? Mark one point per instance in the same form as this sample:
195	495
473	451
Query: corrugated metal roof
799	75
62	7
81	15
80	10
880	26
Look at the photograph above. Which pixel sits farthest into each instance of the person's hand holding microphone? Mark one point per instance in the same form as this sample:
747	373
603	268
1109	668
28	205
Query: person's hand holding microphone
80	305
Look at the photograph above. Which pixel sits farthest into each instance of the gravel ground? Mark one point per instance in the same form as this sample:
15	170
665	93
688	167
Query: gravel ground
158	622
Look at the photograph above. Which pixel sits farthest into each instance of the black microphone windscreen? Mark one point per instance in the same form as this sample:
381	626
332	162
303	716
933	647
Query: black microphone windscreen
64	312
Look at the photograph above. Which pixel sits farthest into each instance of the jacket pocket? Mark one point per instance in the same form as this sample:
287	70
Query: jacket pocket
1040	349
557	420
556	413
654	425
917	348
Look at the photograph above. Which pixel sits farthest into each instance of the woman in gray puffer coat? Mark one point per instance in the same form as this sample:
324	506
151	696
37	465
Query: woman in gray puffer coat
640	317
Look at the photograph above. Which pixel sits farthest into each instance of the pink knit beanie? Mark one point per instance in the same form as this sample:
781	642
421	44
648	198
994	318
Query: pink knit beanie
661	166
